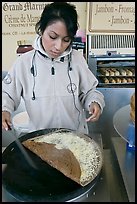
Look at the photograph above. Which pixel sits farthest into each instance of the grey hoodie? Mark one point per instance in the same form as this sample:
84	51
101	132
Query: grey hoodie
62	89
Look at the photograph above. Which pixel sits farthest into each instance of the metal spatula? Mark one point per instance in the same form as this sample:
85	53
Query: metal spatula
34	170
22	149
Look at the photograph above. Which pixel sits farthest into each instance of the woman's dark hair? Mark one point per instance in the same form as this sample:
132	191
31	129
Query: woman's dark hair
63	11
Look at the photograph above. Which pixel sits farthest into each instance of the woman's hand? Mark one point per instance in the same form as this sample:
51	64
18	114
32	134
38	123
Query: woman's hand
6	120
95	112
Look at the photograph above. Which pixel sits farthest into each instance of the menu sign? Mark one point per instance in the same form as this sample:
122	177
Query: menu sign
107	17
19	18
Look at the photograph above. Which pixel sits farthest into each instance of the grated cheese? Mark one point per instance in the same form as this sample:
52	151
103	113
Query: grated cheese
85	152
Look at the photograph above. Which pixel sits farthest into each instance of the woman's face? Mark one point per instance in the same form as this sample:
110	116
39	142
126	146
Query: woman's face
55	39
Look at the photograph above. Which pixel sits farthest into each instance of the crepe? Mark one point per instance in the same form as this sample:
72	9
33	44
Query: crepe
75	155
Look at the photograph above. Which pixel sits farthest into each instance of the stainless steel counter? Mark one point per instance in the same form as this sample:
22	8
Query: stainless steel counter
126	161
123	149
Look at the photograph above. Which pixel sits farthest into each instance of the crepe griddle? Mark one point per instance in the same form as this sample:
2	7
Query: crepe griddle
25	184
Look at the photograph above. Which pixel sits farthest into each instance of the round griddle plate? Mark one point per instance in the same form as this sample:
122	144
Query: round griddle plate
24	184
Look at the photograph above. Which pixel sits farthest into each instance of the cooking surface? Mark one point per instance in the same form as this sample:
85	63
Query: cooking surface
27	185
47	184
99	191
108	188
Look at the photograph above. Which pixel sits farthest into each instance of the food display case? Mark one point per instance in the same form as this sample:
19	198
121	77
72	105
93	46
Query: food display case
113	70
111	58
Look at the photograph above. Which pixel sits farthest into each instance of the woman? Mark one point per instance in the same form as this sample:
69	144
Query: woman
53	79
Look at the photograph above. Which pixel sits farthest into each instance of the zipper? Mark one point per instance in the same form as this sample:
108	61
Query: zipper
55	97
52	68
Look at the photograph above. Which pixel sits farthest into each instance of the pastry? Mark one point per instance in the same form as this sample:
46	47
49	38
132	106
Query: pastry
122	72
129	80
105	80
111	73
111	80
128	72
104	72
124	80
133	71
116	72
133	80
118	80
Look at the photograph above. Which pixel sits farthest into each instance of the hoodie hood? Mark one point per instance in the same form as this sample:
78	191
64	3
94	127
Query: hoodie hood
37	46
